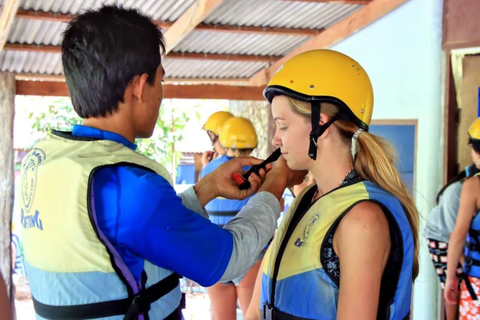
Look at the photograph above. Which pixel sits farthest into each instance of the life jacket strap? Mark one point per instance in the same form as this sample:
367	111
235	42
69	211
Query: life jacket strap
131	307
469	286
272	313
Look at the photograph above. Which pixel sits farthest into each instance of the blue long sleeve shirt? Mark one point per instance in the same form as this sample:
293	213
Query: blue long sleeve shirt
142	216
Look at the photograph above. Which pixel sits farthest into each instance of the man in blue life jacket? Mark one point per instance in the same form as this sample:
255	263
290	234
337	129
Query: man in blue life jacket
105	235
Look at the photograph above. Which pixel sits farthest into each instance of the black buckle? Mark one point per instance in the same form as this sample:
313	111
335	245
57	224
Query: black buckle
140	305
468	261
267	312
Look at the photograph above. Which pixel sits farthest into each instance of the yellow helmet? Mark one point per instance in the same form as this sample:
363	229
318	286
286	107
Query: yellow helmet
215	122
326	76
238	133
474	130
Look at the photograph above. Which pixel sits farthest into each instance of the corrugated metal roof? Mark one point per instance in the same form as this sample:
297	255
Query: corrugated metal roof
165	10
289	14
31	62
239	43
179	68
36	32
245	13
51	63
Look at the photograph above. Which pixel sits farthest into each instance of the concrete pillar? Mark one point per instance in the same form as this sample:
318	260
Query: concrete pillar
7	110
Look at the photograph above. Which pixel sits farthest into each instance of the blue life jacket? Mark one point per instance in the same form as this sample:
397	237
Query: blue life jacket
221	210
301	278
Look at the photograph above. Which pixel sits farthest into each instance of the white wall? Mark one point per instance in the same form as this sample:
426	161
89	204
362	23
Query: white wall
402	54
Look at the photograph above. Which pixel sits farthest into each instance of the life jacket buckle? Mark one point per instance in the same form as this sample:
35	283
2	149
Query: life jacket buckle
140	305
472	247
267	312
468	262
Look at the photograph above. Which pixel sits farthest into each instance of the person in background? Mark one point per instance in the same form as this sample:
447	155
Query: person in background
439	226
308	180
347	248
105	235
465	238
291	193
213	127
238	138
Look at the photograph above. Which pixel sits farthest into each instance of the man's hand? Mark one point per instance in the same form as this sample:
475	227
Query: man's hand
281	177
293	176
220	182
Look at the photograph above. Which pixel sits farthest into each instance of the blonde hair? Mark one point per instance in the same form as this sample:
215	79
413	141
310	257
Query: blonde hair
375	161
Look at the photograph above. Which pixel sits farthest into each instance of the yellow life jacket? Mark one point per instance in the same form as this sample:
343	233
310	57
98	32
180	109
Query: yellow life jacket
74	271
301	277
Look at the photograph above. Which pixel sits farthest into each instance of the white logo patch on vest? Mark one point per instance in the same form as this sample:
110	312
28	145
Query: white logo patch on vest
29	176
306	231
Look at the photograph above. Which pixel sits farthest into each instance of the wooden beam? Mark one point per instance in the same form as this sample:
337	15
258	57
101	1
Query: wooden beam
7	110
42	88
194	15
203	81
9	11
45	88
222	57
50	16
47	16
259	30
39	77
171	55
335	1
213	92
339	31
451	124
32	48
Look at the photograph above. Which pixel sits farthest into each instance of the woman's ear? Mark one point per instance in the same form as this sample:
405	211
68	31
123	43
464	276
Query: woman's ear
324	118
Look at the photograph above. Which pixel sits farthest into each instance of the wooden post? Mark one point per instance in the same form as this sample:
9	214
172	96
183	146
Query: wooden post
7	110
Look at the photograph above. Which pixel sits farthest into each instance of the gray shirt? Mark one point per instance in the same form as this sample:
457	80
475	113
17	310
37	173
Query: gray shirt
442	218
251	228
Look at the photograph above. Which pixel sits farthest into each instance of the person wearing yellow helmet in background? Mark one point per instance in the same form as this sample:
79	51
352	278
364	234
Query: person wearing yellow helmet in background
465	238
213	126
358	223
238	137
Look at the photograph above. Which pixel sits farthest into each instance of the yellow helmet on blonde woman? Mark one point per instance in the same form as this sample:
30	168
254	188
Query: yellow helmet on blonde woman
238	133
328	76
215	122
474	130
319	76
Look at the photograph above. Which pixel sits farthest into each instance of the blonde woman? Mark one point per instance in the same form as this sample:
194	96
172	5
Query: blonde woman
347	248
238	137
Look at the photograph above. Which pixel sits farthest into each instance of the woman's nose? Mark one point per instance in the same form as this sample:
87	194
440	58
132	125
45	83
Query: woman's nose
276	142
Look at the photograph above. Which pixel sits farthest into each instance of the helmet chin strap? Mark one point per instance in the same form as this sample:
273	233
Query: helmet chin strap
317	128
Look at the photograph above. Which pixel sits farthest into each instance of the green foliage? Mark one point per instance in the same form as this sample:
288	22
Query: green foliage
168	131
58	114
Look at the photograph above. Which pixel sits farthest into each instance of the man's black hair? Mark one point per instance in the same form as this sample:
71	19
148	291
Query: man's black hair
102	50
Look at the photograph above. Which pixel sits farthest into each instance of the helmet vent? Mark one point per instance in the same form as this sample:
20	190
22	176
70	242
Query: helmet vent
312	86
